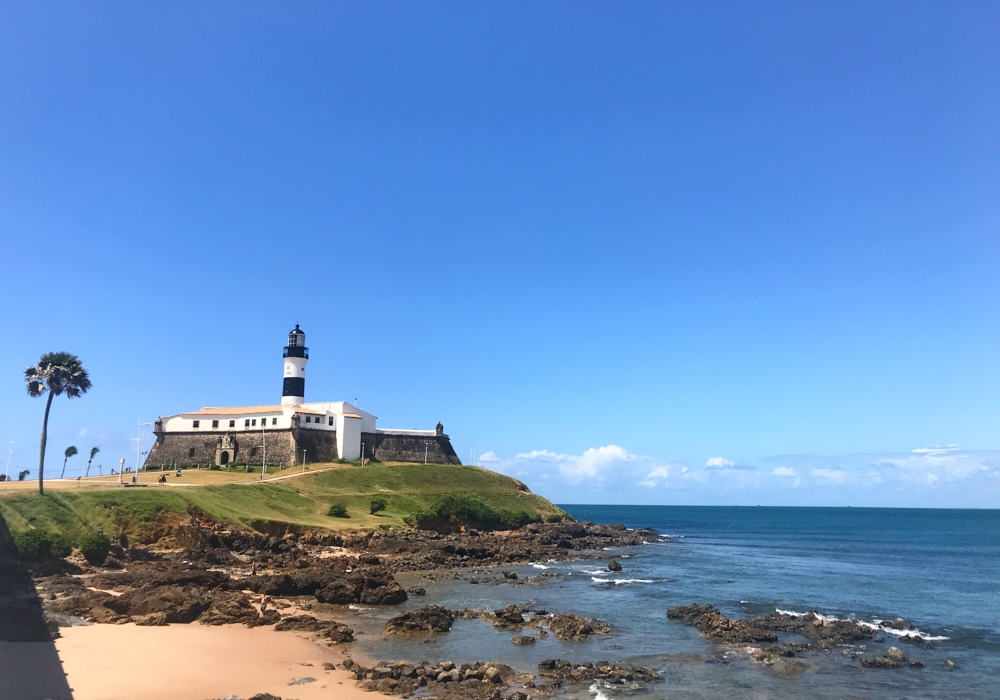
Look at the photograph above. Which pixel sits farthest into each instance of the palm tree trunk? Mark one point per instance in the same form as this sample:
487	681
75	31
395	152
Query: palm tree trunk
63	475
88	467
41	447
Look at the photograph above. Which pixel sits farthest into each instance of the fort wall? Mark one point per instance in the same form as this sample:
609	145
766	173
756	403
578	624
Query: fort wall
389	447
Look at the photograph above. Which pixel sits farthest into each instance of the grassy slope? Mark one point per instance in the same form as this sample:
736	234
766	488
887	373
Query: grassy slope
302	500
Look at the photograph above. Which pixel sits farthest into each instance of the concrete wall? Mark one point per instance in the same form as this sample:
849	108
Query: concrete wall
389	447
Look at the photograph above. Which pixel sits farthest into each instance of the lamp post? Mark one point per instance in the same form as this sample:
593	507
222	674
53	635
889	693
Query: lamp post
362	454
303	461
263	440
7	478
138	443
425	453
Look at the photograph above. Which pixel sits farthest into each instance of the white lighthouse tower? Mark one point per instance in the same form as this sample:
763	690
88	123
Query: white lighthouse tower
293	388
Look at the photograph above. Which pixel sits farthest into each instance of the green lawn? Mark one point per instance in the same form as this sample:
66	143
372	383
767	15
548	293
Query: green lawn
301	500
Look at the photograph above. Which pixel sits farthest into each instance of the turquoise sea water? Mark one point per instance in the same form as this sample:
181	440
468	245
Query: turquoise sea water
940	569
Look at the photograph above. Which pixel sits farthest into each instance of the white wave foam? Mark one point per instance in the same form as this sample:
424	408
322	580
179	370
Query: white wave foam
620	581
541	566
598	693
359	608
912	632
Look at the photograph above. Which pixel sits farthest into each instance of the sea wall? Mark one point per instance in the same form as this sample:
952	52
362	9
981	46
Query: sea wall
389	447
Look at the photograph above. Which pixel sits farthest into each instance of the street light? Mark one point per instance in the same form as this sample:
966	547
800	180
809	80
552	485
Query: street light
263	440
303	461
138	442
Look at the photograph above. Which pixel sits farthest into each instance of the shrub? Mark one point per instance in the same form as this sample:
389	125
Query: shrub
378	504
456	510
94	546
553	518
39	544
338	510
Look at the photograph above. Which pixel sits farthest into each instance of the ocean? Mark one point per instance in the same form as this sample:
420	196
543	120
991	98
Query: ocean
939	569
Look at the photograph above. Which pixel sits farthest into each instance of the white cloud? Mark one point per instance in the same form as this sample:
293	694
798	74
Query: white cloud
719	463
655	477
611	474
82	433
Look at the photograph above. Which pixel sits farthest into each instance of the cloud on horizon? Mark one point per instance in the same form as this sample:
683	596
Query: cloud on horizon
923	477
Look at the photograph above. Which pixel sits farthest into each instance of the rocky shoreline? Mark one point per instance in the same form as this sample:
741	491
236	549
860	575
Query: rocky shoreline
212	574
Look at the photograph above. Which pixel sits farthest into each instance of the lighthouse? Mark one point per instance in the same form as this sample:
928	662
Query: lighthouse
296	354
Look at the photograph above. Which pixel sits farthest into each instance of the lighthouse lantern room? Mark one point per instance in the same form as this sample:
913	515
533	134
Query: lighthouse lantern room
296	354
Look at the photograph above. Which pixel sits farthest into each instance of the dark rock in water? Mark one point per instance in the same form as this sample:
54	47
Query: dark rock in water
510	575
896	654
723	629
518	696
614	566
416	590
431	618
522	640
915	663
754	630
879	662
689	614
562	670
509	617
897	624
567	626
911	639
265	696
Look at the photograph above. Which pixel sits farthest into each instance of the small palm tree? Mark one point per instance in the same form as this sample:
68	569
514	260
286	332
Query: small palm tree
71	451
57	373
93	453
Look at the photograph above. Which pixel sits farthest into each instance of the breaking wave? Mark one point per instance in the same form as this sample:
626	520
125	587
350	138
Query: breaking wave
875	625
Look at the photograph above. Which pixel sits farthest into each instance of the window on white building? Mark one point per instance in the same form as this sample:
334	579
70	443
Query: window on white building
253	422
274	421
246	423
196	423
215	424
309	419
330	419
232	424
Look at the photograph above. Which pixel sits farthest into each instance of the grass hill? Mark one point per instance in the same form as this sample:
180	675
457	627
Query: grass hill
74	508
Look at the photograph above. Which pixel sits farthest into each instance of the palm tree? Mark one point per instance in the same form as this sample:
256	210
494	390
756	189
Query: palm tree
58	373
93	451
70	452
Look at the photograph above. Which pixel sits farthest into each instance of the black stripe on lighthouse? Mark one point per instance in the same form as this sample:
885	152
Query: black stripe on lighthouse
294	386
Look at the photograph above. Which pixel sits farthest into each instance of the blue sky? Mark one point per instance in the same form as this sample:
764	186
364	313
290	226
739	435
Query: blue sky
642	236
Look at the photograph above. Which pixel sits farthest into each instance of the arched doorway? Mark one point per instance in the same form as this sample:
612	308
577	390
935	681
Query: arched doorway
224	458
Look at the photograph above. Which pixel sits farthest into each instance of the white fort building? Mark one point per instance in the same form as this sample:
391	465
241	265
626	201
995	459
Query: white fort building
291	432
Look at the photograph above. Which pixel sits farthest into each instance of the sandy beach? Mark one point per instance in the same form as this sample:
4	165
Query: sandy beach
198	662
